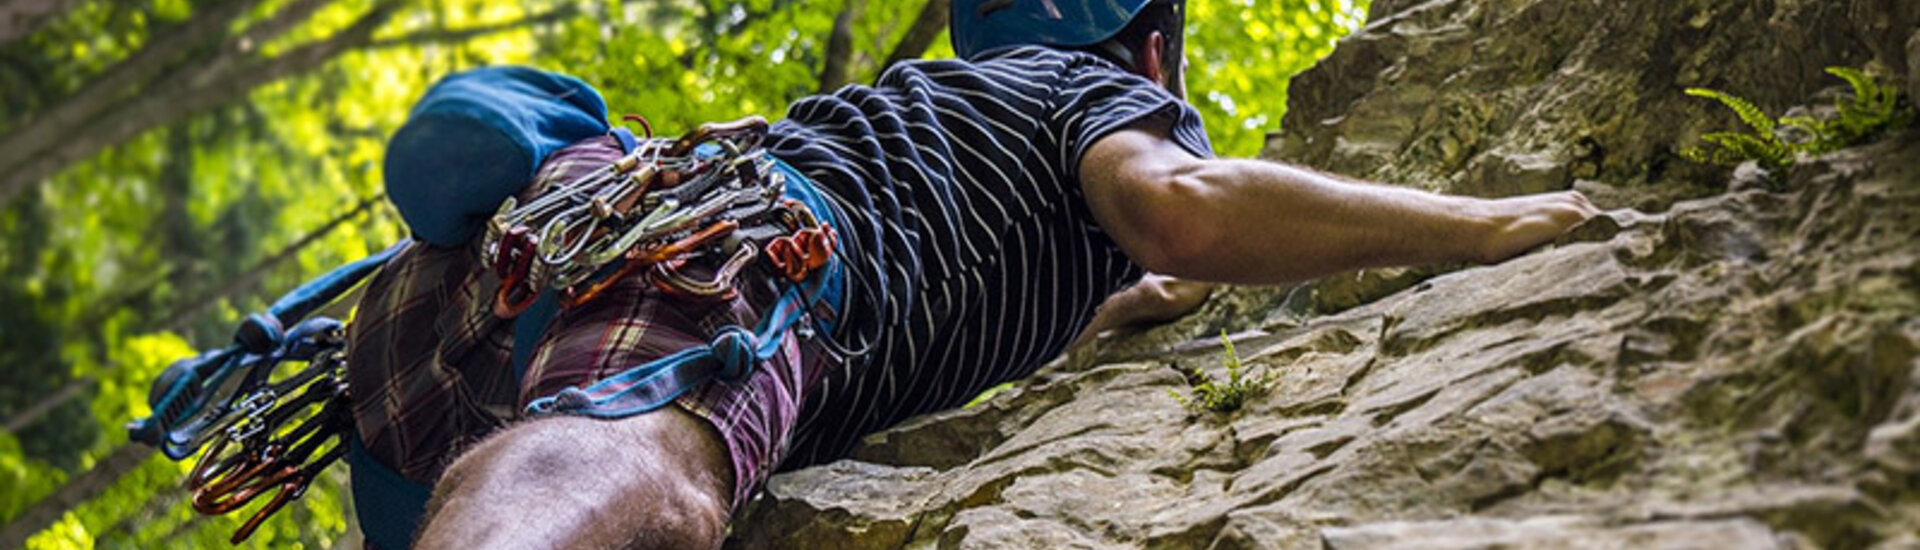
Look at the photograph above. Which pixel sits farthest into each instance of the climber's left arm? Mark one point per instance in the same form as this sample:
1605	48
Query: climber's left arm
1156	298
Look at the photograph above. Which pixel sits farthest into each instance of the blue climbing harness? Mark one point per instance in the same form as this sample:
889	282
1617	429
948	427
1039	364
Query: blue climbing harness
712	194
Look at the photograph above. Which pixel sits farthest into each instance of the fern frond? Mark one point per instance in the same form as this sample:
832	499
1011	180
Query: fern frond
1814	136
1732	148
1806	123
1697	154
1749	113
1864	89
1873	108
1213	395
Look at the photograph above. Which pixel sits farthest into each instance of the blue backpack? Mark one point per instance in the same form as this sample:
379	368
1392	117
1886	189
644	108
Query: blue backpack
476	138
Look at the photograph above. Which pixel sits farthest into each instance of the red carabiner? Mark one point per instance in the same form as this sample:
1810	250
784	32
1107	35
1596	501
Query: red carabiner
512	261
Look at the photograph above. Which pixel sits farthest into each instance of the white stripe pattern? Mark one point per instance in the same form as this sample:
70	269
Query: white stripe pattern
959	183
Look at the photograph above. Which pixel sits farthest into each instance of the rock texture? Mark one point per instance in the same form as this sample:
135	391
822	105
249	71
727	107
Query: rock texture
1709	365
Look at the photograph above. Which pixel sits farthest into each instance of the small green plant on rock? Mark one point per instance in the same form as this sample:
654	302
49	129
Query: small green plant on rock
1774	144
1764	145
1226	396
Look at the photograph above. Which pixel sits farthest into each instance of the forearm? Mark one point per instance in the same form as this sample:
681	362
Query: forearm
1260	223
1252	222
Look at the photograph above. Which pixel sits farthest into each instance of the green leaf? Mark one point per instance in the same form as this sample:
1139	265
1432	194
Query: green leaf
1749	113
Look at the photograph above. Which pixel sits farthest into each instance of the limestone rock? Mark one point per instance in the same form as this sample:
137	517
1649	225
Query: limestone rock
1709	365
1545	533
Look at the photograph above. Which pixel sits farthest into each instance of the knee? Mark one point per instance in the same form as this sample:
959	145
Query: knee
577	482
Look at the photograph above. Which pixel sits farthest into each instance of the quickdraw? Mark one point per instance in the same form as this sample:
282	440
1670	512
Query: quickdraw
711	194
229	405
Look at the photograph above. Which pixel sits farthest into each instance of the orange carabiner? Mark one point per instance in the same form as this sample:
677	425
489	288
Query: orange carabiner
799	255
719	229
234	491
290	489
640	257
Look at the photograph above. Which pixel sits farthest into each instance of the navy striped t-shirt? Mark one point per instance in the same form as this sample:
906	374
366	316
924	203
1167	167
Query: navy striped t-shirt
976	256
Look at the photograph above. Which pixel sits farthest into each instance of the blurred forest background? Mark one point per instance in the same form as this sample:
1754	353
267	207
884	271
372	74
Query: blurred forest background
168	165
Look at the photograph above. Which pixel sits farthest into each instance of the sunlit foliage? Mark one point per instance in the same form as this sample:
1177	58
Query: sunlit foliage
1241	53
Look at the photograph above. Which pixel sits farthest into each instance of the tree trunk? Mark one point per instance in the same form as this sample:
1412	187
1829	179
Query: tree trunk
833	73
68	119
932	19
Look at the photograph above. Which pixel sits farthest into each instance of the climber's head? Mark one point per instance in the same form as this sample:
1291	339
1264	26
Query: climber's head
1145	36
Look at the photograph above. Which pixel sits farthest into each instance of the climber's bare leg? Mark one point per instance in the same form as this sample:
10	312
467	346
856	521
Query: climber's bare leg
658	480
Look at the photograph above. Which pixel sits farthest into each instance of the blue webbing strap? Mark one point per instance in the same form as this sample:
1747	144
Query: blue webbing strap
294	306
390	506
731	355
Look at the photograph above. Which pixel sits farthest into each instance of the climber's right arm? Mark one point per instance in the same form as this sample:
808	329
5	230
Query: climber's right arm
1255	222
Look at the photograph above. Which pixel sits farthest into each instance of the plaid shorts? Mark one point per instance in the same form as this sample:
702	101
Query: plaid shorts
430	366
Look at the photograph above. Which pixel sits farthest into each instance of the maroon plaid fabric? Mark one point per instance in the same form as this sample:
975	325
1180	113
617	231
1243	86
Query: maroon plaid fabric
430	365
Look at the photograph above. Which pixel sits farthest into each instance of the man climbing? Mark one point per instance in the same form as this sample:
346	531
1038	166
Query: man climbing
981	208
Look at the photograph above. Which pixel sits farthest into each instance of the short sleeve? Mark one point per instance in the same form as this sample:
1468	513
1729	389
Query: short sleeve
1097	99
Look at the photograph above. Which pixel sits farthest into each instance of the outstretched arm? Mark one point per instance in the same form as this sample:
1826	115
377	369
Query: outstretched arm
1255	222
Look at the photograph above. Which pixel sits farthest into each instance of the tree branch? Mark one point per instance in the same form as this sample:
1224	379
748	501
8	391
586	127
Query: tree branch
207	86
246	279
40	408
57	124
289	16
443	35
932	19
188	310
80	489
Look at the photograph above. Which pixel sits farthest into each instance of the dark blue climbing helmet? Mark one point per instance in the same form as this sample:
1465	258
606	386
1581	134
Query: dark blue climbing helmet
983	25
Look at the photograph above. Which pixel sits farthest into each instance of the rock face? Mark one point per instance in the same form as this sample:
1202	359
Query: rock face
1709	365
